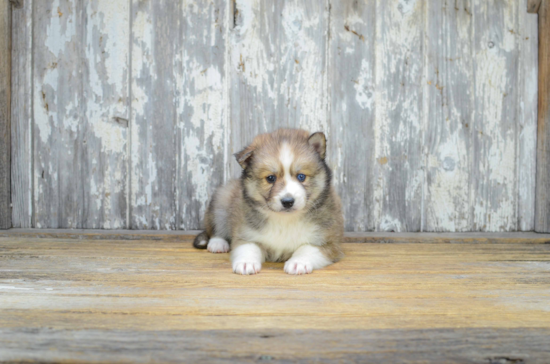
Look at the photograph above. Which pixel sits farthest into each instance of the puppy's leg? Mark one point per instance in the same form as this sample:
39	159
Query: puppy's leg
218	245
201	240
217	220
247	258
305	259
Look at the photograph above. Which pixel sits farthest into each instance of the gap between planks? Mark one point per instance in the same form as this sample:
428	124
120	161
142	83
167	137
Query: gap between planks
350	237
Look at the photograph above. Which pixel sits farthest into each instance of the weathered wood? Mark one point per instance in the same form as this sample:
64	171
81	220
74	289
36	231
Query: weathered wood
527	38
156	41
179	111
203	108
58	114
278	68
80	88
351	140
17	3
105	301
5	131
428	107
398	173
542	217
103	133
533	6
457	345
494	128
21	117
449	103
350	237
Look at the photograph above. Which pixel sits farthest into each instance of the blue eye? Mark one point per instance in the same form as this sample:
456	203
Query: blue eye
271	178
301	177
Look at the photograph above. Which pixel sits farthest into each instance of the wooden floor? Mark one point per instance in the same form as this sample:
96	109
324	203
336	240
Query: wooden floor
83	300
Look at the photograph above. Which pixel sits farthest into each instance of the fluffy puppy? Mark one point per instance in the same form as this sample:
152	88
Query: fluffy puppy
283	208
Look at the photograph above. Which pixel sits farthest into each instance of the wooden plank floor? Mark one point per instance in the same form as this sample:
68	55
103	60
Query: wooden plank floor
77	300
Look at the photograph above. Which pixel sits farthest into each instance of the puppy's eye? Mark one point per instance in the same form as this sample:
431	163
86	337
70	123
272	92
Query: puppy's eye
271	178
301	177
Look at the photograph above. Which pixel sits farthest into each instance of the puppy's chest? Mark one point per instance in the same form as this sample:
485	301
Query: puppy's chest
281	236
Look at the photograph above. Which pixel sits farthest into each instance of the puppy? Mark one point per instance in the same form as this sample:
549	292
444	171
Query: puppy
283	208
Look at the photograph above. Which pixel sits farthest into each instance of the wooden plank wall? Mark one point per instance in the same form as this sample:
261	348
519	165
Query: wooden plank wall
136	107
5	95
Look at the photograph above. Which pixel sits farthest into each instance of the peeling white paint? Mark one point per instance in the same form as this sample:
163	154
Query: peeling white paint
276	66
206	100
59	25
364	87
495	210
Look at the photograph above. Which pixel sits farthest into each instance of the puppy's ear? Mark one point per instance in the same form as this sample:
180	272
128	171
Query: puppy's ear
243	157
319	143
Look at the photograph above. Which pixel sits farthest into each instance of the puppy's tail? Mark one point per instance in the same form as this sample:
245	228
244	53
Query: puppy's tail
201	240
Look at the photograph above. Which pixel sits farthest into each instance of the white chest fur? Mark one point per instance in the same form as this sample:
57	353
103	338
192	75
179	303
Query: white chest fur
284	233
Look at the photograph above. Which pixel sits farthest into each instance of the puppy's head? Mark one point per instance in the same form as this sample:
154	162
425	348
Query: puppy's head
284	171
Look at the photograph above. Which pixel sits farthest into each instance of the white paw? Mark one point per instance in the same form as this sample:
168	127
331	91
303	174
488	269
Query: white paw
247	267
218	245
298	266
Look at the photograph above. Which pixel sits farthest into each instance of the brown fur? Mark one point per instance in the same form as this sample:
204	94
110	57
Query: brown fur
242	207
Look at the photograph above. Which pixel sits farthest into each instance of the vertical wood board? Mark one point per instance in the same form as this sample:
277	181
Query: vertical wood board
57	113
156	40
542	218
104	133
202	108
5	132
398	128
494	134
448	89
351	76
21	116
527	118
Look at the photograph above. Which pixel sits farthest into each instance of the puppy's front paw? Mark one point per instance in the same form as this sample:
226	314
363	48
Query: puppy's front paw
247	267
298	266
218	245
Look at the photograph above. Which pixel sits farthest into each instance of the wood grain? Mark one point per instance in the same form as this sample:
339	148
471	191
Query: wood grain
527	38
449	102
5	123
22	116
398	125
542	219
533	6
178	153
494	127
103	136
80	95
351	141
203	108
156	41
460	345
126	113
107	300
278	68
350	237
58	112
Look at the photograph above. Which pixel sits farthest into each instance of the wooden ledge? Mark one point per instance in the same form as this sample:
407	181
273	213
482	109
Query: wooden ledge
351	237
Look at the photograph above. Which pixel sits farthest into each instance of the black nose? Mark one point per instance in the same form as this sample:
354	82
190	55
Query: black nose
287	202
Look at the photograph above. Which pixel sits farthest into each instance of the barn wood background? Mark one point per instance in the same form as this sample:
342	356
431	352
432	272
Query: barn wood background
126	113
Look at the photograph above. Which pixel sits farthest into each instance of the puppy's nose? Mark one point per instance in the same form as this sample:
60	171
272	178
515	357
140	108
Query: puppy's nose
287	202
